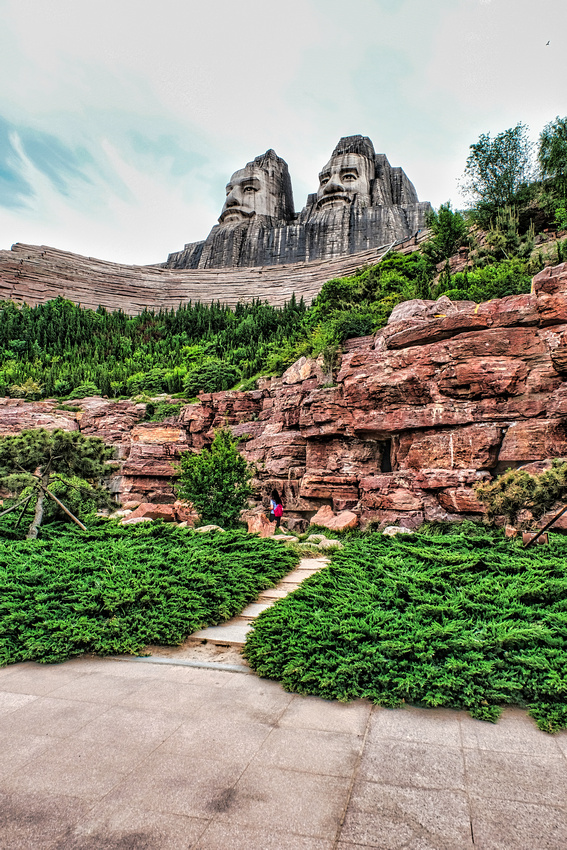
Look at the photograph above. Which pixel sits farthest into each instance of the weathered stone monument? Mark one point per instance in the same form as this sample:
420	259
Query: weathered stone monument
361	203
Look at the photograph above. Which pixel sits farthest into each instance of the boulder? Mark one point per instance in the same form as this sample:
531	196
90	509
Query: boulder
204	529
335	522
149	511
185	512
326	543
260	524
135	520
393	530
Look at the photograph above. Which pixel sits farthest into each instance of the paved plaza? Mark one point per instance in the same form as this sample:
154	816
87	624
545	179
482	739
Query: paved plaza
107	754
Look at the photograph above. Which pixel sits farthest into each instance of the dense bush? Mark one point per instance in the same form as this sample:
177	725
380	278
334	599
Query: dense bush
463	619
117	589
509	277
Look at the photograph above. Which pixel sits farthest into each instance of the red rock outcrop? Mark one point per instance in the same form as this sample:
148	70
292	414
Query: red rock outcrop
420	412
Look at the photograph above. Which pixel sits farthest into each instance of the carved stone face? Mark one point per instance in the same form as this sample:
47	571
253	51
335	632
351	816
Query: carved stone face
346	177
248	193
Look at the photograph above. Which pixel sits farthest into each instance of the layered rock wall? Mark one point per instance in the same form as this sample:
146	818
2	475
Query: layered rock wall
445	396
33	274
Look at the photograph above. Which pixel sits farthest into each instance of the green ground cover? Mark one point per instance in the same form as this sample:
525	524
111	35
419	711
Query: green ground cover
460	618
117	589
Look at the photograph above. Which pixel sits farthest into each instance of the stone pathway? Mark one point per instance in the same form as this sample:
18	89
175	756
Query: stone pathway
107	754
233	632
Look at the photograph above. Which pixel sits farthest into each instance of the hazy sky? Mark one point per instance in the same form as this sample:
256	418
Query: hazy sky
121	121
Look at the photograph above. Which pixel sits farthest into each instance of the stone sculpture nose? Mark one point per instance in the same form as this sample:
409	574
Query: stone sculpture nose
333	185
231	201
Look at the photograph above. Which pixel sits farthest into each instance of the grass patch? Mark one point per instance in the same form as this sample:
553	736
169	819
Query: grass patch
117	589
460	618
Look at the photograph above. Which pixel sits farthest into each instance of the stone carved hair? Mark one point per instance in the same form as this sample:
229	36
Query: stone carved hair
278	172
355	144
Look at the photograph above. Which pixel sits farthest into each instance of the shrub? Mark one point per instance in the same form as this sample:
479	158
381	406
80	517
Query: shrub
216	481
212	377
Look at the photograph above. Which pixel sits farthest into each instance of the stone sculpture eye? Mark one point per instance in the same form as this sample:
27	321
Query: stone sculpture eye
348	177
249	189
323	180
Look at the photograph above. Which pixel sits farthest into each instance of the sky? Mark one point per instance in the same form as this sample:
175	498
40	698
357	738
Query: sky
121	121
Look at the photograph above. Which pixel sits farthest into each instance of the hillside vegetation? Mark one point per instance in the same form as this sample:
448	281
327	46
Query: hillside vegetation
116	589
462	618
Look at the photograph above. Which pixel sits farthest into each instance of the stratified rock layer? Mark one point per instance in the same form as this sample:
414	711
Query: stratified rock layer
34	274
420	413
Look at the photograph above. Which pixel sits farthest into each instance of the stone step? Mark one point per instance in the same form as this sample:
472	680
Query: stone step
251	611
298	576
276	593
234	631
231	633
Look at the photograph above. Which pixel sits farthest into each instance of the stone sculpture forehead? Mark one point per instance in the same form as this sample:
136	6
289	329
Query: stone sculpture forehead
345	161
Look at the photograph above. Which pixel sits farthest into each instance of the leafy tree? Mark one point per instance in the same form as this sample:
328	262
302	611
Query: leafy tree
552	154
449	230
495	170
216	481
37	463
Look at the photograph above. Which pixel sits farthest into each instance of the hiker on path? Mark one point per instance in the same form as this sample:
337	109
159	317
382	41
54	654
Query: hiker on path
276	508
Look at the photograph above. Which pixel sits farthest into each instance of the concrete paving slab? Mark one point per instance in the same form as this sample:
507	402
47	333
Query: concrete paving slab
384	816
111	827
141	728
327	716
11	702
310	751
57	718
506	824
302	803
173	697
18	750
221	836
107	689
37	679
300	575
313	563
78	769
207	738
180	784
35	821
417	724
515	732
413	765
276	593
515	776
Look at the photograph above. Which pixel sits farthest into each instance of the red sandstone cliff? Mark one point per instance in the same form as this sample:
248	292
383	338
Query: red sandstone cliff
421	411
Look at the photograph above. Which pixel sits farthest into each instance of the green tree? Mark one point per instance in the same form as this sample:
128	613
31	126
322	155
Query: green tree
516	490
35	462
216	481
552	154
496	169
449	230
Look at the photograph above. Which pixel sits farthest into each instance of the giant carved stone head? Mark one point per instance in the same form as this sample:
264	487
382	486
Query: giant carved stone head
348	176
261	188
